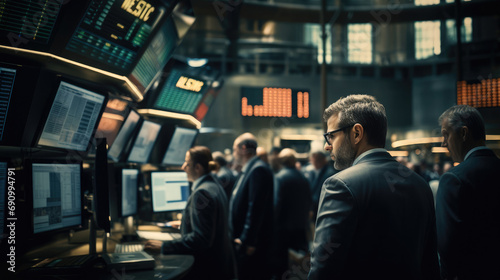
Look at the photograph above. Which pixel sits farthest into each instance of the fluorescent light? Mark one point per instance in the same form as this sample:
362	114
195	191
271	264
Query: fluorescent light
135	91
197	62
159	113
424	140
398	153
300	137
439	150
493	137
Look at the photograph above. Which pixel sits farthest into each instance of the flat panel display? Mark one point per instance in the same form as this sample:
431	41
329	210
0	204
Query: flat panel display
112	120
170	191
122	139
129	192
181	142
72	118
7	78
112	33
57	201
144	142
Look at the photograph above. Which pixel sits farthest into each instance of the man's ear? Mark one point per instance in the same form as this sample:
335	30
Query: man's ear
464	133
358	133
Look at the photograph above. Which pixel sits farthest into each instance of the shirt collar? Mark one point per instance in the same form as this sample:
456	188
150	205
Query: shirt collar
475	149
198	181
376	150
249	164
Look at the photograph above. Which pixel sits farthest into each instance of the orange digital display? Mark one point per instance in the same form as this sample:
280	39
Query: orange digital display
274	102
479	94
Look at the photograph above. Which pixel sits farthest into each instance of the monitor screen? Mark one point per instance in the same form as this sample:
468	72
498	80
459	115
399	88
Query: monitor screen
112	119
170	191
72	118
7	77
3	201
182	92
122	139
144	142
129	192
112	33
57	201
28	21
156	56
181	142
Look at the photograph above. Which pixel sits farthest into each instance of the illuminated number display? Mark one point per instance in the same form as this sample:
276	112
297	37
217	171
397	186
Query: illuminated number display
274	102
484	93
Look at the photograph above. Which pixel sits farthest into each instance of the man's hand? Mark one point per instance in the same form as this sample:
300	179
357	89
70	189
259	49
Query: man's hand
153	247
174	224
250	250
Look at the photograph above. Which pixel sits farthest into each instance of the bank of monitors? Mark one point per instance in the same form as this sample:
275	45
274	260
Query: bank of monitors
56	196
144	142
182	140
170	191
129	192
72	118
121	142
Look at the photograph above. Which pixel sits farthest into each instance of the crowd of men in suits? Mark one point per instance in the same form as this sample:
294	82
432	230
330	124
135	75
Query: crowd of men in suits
373	217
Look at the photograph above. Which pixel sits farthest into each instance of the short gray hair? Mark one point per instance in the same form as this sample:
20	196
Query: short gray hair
465	115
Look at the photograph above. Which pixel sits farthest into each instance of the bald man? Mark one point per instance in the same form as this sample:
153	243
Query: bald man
251	210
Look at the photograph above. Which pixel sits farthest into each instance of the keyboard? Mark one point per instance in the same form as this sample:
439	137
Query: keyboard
72	265
129	247
72	261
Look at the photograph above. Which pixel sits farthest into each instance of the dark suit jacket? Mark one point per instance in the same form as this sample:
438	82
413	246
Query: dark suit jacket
375	221
227	180
468	218
252	206
316	182
205	233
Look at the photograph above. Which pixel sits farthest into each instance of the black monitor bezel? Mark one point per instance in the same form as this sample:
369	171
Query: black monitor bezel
79	83
28	165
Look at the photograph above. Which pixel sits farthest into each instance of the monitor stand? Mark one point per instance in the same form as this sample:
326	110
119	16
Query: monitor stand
129	232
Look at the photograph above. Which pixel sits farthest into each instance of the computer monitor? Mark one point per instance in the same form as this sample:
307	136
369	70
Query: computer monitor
3	200
113	34
72	118
129	192
144	142
7	76
123	137
181	142
57	196
170	191
112	119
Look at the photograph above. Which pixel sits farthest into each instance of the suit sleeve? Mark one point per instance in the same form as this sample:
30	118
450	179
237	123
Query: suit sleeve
448	223
203	213
335	226
260	205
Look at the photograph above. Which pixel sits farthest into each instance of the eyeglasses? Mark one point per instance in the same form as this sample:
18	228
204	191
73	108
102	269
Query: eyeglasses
329	135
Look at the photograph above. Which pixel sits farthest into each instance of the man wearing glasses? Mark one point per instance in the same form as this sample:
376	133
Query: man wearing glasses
376	217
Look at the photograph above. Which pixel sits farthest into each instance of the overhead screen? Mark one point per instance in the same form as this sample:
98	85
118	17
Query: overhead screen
72	118
144	142
28	21
7	78
113	33
56	196
170	191
181	142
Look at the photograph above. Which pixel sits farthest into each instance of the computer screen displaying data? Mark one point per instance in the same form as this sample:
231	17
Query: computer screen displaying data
57	201
129	192
170	191
72	118
181	142
123	137
144	142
